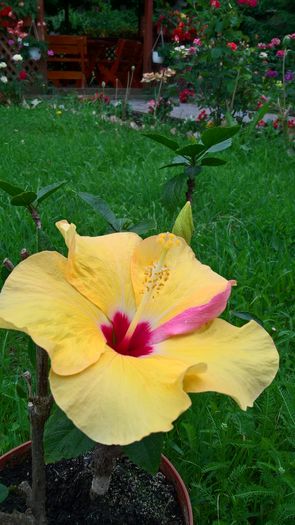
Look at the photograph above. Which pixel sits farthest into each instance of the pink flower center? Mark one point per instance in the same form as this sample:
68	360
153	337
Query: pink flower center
137	345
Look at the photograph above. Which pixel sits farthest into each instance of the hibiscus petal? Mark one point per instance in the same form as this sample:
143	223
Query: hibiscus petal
192	318
121	399
38	300
171	279
241	362
99	267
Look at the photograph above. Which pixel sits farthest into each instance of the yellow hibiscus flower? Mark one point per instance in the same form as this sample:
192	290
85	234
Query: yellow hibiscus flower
130	327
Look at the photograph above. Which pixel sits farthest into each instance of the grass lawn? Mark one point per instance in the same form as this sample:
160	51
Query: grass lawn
238	466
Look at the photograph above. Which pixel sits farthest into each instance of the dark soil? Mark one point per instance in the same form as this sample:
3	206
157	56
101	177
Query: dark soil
134	497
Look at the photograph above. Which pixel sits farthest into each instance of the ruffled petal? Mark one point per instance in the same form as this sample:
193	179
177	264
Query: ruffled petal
38	300
192	318
241	362
121	399
168	279
99	267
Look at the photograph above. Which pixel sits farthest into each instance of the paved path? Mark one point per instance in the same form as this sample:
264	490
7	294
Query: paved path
183	111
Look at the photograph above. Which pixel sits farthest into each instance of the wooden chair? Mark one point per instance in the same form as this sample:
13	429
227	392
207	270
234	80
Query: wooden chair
128	53
68	61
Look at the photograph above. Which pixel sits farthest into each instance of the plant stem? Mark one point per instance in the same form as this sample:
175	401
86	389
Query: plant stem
35	216
104	457
191	184
235	90
39	407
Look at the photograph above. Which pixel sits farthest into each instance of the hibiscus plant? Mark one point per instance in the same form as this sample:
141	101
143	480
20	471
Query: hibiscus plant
130	327
191	158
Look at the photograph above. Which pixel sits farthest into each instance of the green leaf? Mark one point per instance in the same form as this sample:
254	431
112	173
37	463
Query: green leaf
212	161
102	208
184	226
21	391
246	316
217	135
192	171
62	440
221	146
147	452
24	199
10	188
174	165
191	150
216	52
3	492
32	353
173	190
259	116
161	139
142	227
45	192
4	273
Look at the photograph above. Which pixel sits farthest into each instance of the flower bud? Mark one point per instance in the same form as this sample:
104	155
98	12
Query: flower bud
184	225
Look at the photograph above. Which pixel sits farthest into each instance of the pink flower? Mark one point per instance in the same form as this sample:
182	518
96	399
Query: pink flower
22	75
192	50
197	42
280	53
151	105
291	123
274	42
232	46
50	52
215	3
261	123
262	46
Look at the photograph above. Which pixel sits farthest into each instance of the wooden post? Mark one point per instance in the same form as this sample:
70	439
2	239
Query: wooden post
41	30
41	19
148	36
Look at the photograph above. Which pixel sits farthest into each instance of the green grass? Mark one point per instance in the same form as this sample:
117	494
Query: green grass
239	466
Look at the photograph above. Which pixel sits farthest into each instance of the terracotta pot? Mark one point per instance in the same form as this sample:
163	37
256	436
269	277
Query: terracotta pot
16	454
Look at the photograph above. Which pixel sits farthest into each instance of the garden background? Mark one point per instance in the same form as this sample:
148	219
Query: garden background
239	467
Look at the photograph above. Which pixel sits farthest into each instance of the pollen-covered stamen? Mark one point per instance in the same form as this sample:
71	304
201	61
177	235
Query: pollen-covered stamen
155	276
137	345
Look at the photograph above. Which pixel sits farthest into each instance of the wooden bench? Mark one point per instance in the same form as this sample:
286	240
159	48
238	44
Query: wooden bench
68	61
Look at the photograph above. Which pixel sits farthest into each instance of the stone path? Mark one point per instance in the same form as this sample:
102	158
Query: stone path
183	111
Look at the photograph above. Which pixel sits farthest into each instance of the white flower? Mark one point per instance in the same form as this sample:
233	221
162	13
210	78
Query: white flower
17	58
3	65
4	79
262	55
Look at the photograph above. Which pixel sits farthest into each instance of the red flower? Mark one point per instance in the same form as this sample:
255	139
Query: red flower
202	115
261	123
215	3
291	123
6	11
22	75
248	3
232	46
276	123
185	94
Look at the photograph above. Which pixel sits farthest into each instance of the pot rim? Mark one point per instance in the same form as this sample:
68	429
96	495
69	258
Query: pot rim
166	467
